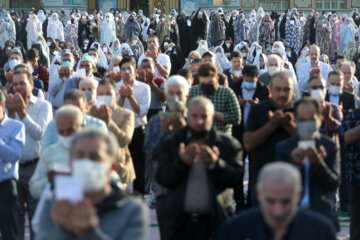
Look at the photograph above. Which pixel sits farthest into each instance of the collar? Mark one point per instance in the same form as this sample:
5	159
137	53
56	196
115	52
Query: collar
5	119
289	107
33	99
111	201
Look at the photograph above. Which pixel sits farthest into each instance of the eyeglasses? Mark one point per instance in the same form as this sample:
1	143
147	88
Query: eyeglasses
317	87
124	69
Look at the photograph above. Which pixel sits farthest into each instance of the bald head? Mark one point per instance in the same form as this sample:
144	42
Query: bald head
201	114
314	54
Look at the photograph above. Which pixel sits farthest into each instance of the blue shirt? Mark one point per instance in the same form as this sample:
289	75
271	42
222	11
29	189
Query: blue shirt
51	134
12	142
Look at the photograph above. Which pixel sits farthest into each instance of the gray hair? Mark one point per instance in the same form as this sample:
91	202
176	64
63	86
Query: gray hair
351	65
280	171
97	133
202	101
90	81
177	80
276	57
70	110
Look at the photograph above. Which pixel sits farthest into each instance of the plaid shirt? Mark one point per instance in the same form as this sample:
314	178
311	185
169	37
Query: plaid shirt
43	75
225	101
351	152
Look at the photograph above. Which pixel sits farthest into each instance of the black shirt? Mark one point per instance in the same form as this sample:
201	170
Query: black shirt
265	153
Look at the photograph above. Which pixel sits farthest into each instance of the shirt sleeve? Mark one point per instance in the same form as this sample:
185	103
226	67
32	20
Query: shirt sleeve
12	150
50	135
233	113
55	85
144	101
36	129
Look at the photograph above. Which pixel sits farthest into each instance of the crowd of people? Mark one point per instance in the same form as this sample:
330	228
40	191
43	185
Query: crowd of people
99	110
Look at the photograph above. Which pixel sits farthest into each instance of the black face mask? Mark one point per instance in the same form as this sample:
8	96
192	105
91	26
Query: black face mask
131	19
208	89
198	134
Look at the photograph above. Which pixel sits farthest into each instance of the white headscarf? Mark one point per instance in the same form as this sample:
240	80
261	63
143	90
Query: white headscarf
222	59
55	28
108	29
202	47
103	60
125	47
41	16
116	51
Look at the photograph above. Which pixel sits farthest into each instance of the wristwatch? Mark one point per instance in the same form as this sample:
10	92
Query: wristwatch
157	63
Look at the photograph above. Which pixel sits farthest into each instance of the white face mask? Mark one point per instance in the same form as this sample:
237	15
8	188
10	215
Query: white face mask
288	54
134	42
49	44
188	23
92	174
108	100
66	141
318	94
163	19
244	55
335	90
307	59
203	46
272	70
227	45
40	42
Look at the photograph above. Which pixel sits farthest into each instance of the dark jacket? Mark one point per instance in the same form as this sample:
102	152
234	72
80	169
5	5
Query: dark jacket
347	100
261	92
324	180
251	225
172	173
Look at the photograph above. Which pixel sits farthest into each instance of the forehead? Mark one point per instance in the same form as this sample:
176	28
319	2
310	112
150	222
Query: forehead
92	52
20	77
106	87
281	82
277	189
199	109
88	145
305	109
314	50
316	82
85	63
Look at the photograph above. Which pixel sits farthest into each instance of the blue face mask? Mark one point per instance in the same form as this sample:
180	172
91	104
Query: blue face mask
323	21
7	19
13	64
249	85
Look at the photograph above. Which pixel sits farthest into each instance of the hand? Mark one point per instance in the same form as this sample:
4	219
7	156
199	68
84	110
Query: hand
20	105
275	118
64	72
209	155
298	156
166	125
349	88
314	71
315	156
126	91
60	213
287	118
242	101
10	104
189	153
83	218
253	101
152	54
327	112
177	123
104	113
115	76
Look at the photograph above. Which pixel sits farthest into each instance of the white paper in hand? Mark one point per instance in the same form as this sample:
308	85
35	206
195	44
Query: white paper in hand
116	69
68	188
306	144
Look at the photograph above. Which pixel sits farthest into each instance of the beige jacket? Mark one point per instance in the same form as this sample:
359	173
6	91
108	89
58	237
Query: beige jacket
122	125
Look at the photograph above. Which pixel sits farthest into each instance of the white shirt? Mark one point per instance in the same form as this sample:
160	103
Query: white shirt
304	74
38	115
247	94
142	95
163	59
335	99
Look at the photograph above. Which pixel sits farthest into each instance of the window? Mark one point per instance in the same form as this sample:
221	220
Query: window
20	3
330	4
274	4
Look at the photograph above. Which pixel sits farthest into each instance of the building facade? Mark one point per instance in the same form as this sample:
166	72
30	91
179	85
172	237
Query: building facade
186	5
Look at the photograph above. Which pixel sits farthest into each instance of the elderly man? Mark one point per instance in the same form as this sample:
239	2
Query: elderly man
135	95
227	110
35	114
12	141
317	156
271	122
279	193
86	63
160	126
77	98
89	86
198	165
120	121
314	67
69	119
59	80
102	205
351	83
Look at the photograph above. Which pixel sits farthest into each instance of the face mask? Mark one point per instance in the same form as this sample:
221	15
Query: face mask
306	130
323	21
249	85
227	45
272	70
218	55
188	23
105	99
174	52
18	48
163	19
318	94
6	19
208	89
49	44
85	46
244	55
134	42
335	90
13	64
234	18
65	141
89	96
93	175
67	63
288	54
